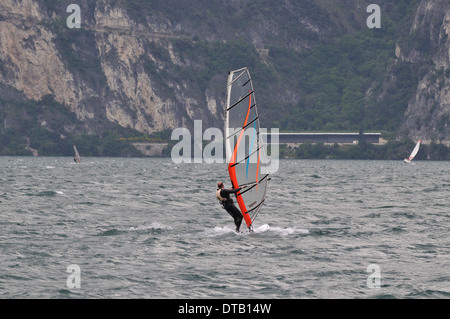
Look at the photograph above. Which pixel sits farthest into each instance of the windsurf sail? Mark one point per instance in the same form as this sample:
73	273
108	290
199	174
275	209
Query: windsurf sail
77	156
244	145
413	153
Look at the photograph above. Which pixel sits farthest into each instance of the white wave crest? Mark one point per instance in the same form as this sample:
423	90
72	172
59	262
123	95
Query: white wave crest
288	231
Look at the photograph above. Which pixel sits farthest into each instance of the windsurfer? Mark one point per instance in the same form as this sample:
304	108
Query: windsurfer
223	195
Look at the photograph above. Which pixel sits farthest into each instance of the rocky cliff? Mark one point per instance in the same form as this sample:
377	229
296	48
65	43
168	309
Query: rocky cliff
98	72
428	112
127	64
156	65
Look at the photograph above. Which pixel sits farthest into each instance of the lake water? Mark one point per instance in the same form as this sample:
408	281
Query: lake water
149	228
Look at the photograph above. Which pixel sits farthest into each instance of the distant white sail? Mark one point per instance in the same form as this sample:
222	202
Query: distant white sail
77	156
413	153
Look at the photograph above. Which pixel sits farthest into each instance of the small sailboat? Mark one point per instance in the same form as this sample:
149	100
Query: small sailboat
413	153
77	157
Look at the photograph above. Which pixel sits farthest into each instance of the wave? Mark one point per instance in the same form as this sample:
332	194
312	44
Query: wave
282	232
46	193
218	231
153	228
289	231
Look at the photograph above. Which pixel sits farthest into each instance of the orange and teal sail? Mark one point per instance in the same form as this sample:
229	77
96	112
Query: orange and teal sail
244	145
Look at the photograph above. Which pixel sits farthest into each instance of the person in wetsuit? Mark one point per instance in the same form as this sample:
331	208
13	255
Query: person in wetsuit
223	195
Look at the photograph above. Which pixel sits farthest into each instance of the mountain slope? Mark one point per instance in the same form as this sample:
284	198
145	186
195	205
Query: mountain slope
144	67
428	112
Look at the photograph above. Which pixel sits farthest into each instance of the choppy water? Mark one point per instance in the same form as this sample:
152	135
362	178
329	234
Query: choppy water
148	228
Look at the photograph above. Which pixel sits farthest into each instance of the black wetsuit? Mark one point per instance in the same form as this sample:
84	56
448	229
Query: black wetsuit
229	206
